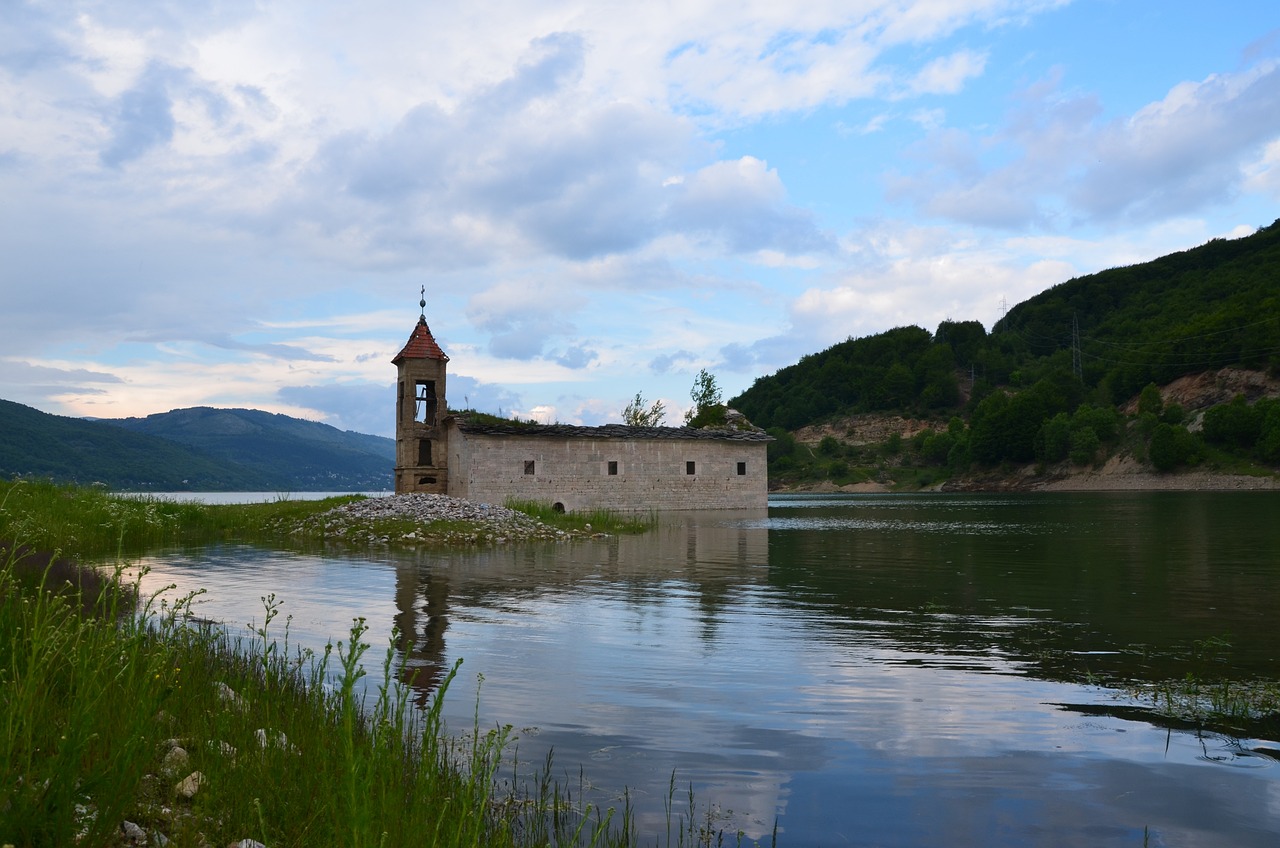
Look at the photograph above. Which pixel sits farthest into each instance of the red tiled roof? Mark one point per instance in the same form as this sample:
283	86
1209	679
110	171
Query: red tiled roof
421	345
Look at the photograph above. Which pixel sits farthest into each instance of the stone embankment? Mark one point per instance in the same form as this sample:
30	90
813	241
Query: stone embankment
421	518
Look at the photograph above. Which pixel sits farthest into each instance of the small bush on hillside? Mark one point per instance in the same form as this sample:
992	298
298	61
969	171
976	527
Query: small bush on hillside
1084	446
1171	446
1235	424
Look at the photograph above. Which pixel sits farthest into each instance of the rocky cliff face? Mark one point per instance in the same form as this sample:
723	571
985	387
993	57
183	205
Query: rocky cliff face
869	429
1194	393
1208	388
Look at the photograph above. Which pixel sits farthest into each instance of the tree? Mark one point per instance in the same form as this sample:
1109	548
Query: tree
899	385
638	415
1054	439
1269	440
708	410
1084	445
1170	447
829	446
1150	400
1235	424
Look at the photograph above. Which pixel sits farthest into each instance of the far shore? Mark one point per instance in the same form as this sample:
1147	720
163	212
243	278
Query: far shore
1107	479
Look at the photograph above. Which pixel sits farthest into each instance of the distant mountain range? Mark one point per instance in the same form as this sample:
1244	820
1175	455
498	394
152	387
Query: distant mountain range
198	449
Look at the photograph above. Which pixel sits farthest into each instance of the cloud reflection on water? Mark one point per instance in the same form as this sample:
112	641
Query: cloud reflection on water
861	685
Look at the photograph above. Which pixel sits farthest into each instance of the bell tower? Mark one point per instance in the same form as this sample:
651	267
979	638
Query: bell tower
421	438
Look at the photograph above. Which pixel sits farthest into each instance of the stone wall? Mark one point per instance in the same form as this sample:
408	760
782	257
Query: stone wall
575	471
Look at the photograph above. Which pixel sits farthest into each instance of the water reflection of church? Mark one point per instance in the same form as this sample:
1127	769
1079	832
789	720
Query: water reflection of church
710	552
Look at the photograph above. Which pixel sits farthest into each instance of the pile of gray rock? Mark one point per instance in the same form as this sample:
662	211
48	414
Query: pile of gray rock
419	518
425	507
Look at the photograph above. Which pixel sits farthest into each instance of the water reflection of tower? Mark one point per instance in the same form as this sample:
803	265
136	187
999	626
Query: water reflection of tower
422	606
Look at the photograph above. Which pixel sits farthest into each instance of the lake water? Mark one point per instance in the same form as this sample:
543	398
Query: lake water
900	670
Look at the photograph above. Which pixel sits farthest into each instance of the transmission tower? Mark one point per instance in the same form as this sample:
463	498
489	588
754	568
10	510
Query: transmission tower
1075	348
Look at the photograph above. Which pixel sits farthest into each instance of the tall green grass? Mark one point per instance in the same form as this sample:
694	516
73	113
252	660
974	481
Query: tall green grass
290	746
86	522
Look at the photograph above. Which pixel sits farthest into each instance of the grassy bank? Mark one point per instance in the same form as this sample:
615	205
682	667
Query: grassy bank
180	731
88	523
118	728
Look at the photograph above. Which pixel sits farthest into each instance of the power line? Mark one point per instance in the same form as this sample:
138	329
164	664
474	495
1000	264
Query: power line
1186	338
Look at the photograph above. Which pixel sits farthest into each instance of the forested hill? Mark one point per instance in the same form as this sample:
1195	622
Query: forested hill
37	444
1205	308
1100	338
199	449
309	455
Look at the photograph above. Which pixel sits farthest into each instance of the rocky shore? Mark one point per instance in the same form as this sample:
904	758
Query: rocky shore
421	518
1127	475
1119	474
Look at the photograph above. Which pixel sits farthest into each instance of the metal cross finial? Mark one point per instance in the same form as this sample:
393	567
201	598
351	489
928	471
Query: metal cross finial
423	302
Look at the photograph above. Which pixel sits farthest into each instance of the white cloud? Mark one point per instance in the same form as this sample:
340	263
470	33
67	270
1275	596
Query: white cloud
742	204
1185	151
1054	161
948	74
586	190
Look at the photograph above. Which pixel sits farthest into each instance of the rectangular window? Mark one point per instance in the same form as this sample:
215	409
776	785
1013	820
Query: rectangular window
528	466
613	468
424	402
689	467
424	452
742	469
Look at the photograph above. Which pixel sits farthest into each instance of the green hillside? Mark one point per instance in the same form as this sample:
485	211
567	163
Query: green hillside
1068	356
198	449
309	455
1209	307
72	449
1212	306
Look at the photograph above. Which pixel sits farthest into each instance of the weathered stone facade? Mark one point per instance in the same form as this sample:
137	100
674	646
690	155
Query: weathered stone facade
611	467
572	468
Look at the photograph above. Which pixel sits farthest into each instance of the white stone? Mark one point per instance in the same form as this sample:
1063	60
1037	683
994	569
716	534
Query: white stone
189	785
228	696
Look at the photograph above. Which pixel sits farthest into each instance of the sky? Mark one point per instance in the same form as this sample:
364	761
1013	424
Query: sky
238	203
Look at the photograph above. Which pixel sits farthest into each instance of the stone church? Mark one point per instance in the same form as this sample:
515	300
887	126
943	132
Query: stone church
572	468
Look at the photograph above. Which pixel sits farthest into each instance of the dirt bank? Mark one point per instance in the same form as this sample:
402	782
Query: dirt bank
1117	475
1127	475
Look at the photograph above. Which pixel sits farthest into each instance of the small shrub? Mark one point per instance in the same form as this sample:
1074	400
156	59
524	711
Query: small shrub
829	446
1084	445
1170	447
1054	438
1150	401
1235	424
